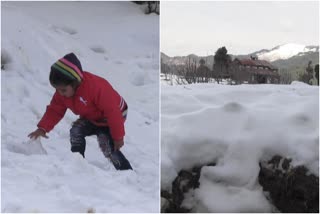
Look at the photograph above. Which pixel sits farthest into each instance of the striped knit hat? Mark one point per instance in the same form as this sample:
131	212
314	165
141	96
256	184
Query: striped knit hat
69	66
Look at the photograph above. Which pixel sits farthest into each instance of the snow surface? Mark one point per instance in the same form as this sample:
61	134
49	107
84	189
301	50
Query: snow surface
285	52
115	40
236	127
176	80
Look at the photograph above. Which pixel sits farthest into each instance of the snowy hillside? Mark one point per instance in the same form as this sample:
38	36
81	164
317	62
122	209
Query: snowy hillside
286	51
235	127
115	40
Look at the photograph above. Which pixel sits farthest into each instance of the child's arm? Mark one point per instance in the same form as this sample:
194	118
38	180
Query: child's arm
37	133
54	113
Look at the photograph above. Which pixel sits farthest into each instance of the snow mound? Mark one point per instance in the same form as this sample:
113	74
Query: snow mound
236	127
30	147
298	83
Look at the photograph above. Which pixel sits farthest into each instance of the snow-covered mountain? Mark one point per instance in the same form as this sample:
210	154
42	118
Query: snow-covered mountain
281	52
114	40
286	51
181	60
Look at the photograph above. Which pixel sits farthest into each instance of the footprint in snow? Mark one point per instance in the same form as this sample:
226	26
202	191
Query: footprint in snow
118	62
101	165
98	49
68	30
137	79
233	107
300	119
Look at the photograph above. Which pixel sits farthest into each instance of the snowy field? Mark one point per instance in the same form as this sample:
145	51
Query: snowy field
115	40
173	80
235	127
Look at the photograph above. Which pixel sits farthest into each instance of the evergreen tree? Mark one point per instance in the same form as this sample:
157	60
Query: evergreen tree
316	70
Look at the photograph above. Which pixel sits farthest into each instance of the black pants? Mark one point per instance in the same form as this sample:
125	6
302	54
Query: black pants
82	128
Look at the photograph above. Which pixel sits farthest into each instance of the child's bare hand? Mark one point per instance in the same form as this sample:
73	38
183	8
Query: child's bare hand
118	144
37	133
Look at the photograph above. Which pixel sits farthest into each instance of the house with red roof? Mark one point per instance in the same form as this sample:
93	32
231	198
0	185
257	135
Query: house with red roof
254	71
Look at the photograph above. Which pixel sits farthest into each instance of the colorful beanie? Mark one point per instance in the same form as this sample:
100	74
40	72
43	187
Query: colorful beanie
70	66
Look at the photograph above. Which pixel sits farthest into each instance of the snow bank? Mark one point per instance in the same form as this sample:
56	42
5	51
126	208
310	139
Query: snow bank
236	127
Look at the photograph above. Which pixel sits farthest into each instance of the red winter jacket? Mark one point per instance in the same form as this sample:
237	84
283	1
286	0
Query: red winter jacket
94	100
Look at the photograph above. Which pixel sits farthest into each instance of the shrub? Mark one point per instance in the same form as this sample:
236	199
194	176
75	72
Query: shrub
5	59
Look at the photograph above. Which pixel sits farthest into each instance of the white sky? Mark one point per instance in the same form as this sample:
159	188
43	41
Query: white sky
242	27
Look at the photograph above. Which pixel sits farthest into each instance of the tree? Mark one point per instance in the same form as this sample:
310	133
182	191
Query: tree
139	2
152	6
307	76
286	76
316	71
165	69
203	72
191	68
202	62
187	72
221	63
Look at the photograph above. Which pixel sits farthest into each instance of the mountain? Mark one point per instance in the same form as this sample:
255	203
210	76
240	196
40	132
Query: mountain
281	52
286	51
291	57
180	60
298	63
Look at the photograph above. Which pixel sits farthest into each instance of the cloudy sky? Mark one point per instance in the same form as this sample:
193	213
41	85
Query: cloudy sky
242	27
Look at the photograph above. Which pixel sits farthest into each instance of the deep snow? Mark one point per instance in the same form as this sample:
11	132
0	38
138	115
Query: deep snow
115	40
235	127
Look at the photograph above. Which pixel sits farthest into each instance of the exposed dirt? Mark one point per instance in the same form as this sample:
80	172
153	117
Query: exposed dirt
291	189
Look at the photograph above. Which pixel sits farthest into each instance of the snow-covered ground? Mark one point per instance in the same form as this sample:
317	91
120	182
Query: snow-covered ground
176	80
115	40
236	127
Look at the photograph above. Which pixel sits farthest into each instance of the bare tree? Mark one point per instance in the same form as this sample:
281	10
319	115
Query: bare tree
203	72
181	75
165	69
190	69
286	76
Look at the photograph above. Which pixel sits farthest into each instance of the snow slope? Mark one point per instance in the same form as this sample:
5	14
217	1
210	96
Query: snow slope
235	127
115	40
285	51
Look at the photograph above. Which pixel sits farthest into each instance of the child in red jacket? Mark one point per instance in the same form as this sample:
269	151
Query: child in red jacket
102	110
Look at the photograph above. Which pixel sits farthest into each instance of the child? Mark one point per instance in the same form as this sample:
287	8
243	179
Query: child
102	110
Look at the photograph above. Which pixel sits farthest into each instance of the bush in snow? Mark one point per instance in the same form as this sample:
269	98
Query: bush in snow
5	59
151	6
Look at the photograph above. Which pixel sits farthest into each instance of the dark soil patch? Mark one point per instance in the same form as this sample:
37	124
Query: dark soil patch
185	181
291	189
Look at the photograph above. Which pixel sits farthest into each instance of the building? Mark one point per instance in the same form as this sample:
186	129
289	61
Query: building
254	71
